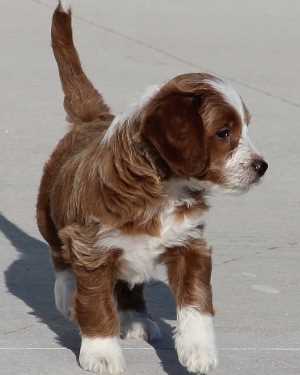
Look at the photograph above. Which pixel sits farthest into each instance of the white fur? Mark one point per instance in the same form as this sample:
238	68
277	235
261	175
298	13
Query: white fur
101	355
195	340
125	118
65	5
64	290
238	171
141	252
136	325
229	94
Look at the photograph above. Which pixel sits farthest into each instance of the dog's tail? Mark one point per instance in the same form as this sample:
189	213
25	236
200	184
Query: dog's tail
82	102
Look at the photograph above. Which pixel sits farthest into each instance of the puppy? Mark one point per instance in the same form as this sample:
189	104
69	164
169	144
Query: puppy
121	194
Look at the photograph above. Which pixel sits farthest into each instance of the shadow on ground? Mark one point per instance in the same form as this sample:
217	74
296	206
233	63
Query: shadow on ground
30	278
161	305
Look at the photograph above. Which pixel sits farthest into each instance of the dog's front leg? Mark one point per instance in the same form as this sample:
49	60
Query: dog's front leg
189	273
96	313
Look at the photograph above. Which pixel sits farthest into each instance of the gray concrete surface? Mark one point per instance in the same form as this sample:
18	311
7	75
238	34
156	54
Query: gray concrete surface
126	46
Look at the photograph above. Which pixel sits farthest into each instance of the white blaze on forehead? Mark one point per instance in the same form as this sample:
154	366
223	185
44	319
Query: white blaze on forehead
238	171
229	94
246	139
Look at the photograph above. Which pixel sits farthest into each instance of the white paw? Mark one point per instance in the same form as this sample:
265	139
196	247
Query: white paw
196	357
64	291
101	355
135	325
195	341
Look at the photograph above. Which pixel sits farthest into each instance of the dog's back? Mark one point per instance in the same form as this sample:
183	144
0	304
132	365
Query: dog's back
87	113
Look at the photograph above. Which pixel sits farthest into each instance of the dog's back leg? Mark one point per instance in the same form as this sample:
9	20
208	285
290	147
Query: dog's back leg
65	284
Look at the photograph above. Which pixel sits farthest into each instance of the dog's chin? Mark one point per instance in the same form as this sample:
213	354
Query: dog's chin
242	187
236	189
226	187
235	184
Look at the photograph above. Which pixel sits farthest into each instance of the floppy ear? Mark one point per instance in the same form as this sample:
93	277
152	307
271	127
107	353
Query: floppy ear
174	127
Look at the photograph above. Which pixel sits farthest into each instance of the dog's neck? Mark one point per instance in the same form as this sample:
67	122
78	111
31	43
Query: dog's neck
129	178
150	154
135	180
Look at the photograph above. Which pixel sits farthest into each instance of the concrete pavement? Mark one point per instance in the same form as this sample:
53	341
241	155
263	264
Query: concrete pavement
125	47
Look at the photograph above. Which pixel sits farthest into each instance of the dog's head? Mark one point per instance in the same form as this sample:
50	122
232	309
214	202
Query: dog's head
199	126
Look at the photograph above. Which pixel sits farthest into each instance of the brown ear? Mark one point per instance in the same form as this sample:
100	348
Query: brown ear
174	127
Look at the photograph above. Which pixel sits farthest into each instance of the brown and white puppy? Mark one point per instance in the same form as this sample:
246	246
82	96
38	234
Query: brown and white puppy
121	194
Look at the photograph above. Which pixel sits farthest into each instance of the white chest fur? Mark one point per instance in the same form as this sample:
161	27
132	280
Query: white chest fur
141	252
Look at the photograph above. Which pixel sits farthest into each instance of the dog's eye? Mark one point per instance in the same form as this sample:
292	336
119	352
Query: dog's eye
223	133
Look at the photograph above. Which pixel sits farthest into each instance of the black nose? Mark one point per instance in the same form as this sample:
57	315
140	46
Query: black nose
260	166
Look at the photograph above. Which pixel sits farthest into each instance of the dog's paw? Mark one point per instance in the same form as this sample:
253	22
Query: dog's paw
195	342
64	291
135	325
197	357
102	356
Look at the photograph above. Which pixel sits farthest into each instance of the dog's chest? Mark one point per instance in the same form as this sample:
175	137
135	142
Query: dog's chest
140	252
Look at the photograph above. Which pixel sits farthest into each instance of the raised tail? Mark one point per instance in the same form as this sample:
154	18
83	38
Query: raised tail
82	102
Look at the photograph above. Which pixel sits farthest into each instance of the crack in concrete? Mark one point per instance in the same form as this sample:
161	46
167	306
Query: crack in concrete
16	330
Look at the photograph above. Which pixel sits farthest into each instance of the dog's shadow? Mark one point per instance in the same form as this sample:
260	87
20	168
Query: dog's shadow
161	305
30	278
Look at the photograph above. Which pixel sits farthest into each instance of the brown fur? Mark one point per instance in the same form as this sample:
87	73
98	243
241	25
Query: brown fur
198	208
95	306
82	101
173	126
79	247
89	184
189	273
